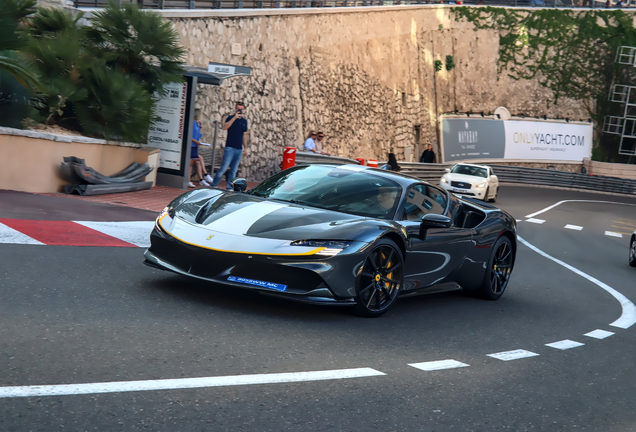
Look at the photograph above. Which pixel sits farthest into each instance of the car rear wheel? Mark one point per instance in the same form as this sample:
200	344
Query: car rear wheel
632	252
498	270
379	279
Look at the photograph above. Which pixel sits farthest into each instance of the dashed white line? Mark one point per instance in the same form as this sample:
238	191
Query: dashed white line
513	355
535	221
182	383
564	344
573	227
599	334
613	234
438	365
565	201
627	318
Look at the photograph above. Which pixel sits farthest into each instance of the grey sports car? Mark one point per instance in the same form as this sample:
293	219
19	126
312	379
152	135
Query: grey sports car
340	235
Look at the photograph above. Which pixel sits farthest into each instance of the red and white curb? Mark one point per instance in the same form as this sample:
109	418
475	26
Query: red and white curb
76	233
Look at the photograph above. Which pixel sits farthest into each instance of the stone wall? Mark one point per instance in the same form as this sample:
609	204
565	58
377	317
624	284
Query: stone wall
363	76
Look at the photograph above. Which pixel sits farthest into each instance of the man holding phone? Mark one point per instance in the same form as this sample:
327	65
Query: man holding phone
236	144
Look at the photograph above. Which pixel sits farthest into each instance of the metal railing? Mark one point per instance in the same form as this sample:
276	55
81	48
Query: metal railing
505	173
260	4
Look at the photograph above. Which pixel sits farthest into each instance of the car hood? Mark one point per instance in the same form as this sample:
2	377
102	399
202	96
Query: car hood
465	178
246	215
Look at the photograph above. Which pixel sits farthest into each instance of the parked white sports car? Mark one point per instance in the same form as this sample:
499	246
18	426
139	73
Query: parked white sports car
471	180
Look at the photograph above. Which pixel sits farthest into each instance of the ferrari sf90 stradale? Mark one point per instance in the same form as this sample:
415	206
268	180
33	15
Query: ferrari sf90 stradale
341	235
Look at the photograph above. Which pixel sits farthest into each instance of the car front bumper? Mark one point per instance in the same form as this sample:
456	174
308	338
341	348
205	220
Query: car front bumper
474	191
324	280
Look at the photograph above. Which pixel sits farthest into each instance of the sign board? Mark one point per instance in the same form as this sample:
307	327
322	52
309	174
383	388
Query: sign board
464	139
166	133
221	69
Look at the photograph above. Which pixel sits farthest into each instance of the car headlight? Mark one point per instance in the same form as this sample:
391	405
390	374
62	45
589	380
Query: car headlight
444	180
482	185
331	247
167	211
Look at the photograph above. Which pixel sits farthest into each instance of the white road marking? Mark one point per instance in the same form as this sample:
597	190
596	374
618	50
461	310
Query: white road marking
599	334
182	383
573	227
137	233
613	234
565	344
513	355
9	235
627	318
519	220
565	201
438	365
535	221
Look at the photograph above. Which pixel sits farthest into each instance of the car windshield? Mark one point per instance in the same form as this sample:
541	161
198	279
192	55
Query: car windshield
470	170
333	188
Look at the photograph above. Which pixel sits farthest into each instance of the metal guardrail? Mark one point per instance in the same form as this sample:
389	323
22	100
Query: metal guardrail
260	4
506	174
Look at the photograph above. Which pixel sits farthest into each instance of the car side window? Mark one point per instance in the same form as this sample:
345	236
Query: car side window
421	200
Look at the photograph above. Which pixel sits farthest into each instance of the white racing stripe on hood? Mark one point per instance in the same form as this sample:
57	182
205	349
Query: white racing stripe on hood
240	221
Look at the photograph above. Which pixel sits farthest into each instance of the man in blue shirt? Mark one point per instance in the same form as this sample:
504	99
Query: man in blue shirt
237	135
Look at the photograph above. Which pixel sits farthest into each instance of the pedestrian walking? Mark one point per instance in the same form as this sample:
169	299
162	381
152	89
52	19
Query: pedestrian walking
428	156
235	145
195	159
310	144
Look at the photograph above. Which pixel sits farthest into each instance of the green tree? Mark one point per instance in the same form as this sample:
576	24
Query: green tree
139	43
12	38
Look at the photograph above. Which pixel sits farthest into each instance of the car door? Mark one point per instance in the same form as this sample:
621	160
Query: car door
434	253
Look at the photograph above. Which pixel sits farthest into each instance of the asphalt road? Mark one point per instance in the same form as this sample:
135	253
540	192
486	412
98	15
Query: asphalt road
73	315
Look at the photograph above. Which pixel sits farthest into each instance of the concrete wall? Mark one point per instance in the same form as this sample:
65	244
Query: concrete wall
610	169
30	161
363	76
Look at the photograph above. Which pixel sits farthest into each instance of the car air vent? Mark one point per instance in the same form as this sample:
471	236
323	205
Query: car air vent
202	214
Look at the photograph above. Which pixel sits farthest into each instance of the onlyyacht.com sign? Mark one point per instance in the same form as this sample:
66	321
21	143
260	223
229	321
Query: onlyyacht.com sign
464	139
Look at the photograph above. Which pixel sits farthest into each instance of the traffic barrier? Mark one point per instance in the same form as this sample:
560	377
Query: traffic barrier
373	163
289	157
361	160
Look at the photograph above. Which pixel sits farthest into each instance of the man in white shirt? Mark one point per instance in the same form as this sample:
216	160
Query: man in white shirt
310	145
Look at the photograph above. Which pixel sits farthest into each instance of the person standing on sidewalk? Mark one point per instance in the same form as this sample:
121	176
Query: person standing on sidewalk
428	156
236	144
195	159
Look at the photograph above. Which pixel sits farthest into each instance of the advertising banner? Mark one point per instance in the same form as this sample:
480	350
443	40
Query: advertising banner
166	133
464	139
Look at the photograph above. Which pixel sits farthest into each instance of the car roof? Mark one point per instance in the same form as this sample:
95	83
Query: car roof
473	165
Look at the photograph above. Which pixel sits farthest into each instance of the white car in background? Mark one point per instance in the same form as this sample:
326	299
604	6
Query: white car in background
476	181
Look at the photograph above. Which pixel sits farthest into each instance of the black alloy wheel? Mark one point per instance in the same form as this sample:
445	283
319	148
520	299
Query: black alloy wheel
632	252
379	279
498	270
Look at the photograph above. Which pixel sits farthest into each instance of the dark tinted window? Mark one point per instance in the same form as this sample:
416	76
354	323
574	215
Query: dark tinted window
470	170
423	199
334	188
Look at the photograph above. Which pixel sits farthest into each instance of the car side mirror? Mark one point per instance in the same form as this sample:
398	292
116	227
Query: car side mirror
239	184
494	177
433	220
447	170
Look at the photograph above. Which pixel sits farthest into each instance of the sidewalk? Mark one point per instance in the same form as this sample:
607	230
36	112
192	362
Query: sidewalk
154	199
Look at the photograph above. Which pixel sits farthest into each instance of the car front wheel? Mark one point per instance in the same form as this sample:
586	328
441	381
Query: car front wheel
632	252
379	280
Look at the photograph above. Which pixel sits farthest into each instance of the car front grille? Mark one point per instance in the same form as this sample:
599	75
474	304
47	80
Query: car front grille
462	185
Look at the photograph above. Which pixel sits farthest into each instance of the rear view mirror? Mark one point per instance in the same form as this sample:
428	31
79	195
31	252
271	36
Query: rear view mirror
239	184
433	220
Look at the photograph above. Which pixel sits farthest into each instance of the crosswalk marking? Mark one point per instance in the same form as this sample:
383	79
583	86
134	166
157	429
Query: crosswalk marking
613	234
573	227
599	334
535	221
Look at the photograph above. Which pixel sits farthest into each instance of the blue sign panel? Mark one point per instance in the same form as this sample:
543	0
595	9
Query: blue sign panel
263	284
